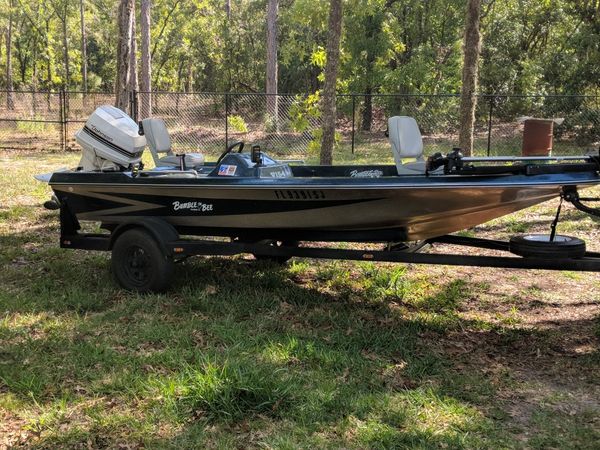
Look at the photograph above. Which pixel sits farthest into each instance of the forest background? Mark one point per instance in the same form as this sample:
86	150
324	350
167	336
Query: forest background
540	48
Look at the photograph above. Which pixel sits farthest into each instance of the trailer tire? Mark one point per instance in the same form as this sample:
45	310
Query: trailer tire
139	264
540	246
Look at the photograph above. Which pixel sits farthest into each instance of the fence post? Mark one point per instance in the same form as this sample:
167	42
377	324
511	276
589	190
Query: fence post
66	109
226	120
132	105
62	101
61	122
353	119
491	112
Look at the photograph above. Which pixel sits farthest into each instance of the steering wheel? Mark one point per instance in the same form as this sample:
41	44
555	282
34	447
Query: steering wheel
229	149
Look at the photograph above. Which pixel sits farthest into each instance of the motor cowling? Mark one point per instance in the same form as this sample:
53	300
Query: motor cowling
110	140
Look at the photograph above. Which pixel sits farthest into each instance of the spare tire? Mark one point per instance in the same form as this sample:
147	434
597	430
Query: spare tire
540	246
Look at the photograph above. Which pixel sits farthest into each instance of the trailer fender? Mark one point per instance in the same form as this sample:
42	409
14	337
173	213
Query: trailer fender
163	232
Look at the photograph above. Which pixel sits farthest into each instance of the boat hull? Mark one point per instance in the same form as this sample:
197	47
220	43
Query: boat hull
389	208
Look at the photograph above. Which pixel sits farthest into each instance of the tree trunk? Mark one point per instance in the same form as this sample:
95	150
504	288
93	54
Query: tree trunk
271	86
178	85
65	37
228	8
10	101
123	53
328	109
146	62
189	78
48	65
133	72
468	99
373	28
83	48
34	78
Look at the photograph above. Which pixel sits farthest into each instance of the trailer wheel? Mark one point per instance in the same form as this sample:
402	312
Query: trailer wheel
276	259
138	263
540	246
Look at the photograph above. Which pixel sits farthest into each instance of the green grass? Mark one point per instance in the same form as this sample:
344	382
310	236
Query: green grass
316	354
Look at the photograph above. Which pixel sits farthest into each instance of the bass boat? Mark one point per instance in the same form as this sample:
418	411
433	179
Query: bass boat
274	209
249	195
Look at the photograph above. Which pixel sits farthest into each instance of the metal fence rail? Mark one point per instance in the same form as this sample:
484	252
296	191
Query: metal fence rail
290	125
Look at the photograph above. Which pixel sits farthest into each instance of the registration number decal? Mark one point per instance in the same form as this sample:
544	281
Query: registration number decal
294	194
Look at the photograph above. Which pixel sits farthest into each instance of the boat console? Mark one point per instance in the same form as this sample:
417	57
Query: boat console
248	165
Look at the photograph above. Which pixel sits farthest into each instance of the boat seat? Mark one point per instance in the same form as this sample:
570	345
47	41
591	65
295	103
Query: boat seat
159	142
407	145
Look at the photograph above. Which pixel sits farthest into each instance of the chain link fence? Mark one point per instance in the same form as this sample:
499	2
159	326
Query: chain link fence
289	126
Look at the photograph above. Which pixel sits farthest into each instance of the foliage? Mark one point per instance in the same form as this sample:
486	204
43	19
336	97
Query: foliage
303	111
388	46
37	125
237	124
314	146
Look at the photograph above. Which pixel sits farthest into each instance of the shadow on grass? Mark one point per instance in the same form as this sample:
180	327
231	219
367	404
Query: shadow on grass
236	346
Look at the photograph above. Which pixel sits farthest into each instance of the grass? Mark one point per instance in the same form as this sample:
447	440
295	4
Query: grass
311	355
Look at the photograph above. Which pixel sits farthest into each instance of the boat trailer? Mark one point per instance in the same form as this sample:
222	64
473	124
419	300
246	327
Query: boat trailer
176	249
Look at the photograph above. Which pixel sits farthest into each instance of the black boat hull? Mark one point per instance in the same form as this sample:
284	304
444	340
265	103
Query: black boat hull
381	209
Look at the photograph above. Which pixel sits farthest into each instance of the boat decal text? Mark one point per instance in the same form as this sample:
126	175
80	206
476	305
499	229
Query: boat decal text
100	133
366	173
293	194
279	173
192	206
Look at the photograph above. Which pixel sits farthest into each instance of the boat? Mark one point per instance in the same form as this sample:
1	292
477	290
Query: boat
259	202
249	195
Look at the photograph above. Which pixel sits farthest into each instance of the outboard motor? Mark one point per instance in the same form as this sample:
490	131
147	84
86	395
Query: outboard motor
110	141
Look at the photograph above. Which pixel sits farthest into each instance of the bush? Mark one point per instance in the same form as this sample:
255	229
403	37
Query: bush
237	123
305	112
314	146
32	127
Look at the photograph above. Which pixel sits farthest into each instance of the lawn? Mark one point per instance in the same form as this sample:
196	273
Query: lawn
315	354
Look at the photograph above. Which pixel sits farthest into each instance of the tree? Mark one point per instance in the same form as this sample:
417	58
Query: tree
365	49
468	99
271	85
83	47
388	46
228	8
146	62
10	102
124	17
61	9
328	109
133	72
